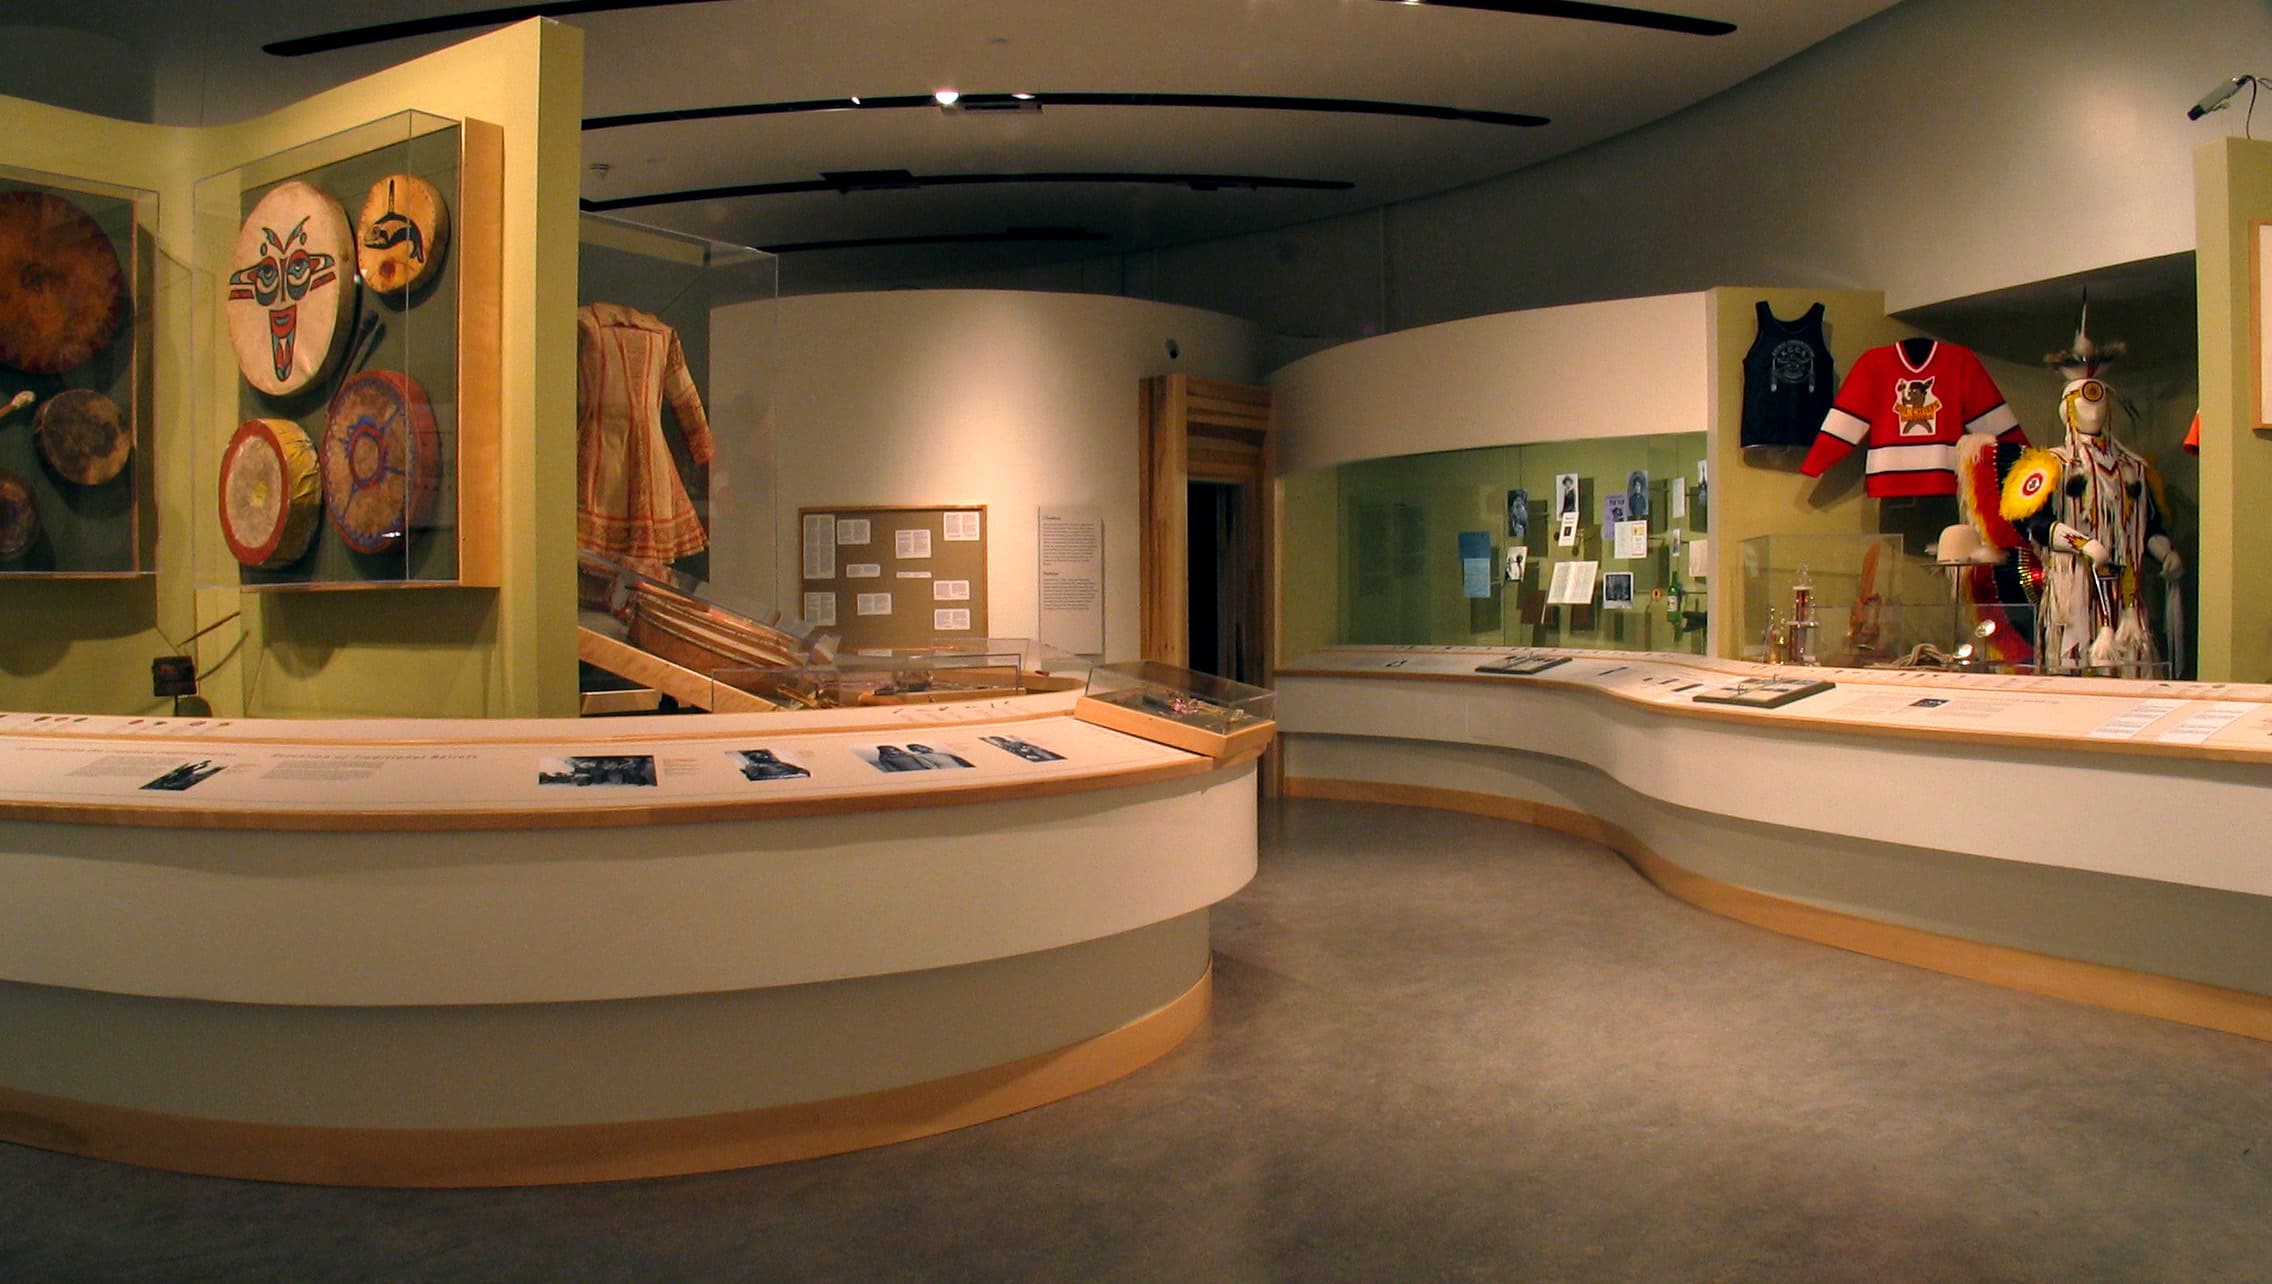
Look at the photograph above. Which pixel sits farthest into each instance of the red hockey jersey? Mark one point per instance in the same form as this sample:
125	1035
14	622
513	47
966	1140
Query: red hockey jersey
1910	417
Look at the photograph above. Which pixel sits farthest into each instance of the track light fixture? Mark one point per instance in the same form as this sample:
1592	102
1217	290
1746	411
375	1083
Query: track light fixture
2216	98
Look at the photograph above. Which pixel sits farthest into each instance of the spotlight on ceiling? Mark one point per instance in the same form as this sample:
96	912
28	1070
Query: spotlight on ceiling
946	97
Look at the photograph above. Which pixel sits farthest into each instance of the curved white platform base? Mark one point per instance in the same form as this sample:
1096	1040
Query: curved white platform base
2179	953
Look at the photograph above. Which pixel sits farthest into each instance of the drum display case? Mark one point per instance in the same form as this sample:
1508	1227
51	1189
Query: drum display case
107	529
429	348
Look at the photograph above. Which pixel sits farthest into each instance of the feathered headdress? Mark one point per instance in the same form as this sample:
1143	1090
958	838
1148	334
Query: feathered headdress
2086	358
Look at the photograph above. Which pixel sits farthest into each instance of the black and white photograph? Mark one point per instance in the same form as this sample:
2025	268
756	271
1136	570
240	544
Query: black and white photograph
1637	493
765	764
910	757
1518	515
187	776
636	770
1025	749
1565	493
1617	591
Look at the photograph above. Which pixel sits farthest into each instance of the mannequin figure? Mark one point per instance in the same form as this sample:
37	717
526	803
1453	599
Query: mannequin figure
2091	507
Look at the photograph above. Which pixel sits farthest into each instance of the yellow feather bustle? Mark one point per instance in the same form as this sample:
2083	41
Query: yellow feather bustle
2029	485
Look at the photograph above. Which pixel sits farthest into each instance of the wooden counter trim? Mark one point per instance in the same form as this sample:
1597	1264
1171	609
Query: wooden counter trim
706	811
463	1157
584	731
2143	993
1835	726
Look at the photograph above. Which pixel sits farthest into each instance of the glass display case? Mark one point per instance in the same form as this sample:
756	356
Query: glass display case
76	278
1176	706
891	678
666	302
1837	599
1868	604
1596	544
353	343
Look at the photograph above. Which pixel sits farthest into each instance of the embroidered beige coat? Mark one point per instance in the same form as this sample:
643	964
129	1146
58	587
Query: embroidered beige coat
630	502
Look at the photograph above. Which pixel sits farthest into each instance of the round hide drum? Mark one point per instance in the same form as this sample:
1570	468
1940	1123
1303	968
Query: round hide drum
381	460
271	493
291	294
62	293
402	233
83	436
19	517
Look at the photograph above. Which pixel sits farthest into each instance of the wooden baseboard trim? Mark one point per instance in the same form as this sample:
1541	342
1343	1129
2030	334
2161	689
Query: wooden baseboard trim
2145	993
539	1156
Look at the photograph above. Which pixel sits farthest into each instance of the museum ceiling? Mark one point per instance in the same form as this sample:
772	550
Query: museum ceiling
1084	128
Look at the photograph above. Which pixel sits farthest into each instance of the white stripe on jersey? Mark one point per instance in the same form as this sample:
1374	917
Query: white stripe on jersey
1994	422
1923	457
1845	426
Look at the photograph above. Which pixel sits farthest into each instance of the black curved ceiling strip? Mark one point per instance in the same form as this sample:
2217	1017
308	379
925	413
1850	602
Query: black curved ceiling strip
894	180
1010	236
1578	10
300	46
380	33
1221	102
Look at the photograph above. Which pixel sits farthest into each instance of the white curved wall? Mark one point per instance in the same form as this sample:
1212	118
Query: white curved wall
1009	399
1625	368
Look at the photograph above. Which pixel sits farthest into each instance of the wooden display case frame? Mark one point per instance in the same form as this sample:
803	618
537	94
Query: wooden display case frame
471	506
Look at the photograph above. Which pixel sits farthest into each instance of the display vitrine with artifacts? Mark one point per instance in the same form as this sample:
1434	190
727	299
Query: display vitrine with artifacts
1175	706
76	275
352	343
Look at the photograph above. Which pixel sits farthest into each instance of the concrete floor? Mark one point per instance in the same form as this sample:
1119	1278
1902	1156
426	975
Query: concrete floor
1443	1048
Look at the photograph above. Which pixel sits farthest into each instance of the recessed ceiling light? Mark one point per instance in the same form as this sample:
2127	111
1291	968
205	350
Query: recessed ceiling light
1024	98
946	97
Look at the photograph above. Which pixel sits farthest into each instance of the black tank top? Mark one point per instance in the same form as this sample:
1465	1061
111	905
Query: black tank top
1788	382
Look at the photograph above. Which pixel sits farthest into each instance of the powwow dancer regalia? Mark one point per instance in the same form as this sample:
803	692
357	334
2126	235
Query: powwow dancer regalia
2092	507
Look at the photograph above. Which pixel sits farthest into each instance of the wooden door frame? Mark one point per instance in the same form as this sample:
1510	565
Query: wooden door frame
1226	420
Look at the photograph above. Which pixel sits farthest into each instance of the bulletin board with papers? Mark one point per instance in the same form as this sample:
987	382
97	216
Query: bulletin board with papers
882	577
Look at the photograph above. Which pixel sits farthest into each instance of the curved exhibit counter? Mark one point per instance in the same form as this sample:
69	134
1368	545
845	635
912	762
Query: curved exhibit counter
2100	840
496	952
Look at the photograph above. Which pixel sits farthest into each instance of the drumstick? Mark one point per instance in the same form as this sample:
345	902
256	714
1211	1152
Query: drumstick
17	402
367	329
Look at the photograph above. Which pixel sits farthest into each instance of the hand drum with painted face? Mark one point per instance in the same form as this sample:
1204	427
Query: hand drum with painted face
291	291
402	233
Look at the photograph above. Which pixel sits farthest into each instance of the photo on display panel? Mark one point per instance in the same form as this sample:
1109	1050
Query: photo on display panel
1025	749
612	770
765	764
910	757
187	776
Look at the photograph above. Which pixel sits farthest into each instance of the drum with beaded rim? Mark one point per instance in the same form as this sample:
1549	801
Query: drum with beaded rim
291	288
381	460
271	493
62	292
